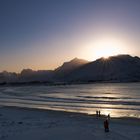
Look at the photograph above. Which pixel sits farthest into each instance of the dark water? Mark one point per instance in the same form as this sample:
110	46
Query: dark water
118	99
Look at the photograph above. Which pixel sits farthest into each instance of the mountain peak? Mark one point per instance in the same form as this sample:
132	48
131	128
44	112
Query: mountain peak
71	65
116	68
77	60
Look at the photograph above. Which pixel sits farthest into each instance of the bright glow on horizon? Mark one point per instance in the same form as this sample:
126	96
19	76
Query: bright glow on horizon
106	51
105	47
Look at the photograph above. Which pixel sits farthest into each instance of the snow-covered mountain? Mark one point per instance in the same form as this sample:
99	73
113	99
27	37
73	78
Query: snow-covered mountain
68	67
121	68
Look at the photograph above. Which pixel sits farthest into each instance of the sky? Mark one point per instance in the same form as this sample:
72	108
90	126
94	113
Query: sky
42	34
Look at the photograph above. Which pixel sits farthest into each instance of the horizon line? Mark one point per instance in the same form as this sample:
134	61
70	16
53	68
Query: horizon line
64	62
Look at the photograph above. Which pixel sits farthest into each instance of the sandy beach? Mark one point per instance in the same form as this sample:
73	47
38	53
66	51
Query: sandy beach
36	124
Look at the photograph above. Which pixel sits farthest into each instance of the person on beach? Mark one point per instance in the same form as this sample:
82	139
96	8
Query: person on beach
108	116
106	125
99	113
96	113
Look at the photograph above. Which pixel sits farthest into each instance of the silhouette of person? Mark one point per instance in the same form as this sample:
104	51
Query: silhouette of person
96	113
106	125
108	116
99	113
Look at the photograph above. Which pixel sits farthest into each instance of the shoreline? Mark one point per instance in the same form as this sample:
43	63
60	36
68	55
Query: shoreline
63	83
35	124
68	113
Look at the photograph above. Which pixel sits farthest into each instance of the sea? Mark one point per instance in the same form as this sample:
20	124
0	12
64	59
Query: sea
116	99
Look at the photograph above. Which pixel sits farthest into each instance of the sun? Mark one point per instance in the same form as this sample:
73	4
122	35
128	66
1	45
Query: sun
106	48
106	51
103	47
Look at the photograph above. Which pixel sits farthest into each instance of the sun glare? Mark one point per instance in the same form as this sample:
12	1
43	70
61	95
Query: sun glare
106	48
106	51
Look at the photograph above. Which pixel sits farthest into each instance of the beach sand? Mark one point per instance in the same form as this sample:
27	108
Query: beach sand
36	124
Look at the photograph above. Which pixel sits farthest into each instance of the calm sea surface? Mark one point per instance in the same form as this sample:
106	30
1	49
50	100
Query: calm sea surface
118	99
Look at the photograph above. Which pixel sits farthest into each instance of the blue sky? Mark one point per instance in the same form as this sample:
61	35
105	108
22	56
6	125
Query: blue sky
41	34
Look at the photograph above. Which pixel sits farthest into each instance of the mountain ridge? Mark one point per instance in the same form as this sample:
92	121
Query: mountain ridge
120	68
115	68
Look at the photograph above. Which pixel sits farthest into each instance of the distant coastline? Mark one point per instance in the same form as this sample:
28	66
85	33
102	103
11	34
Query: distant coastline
115	69
37	83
